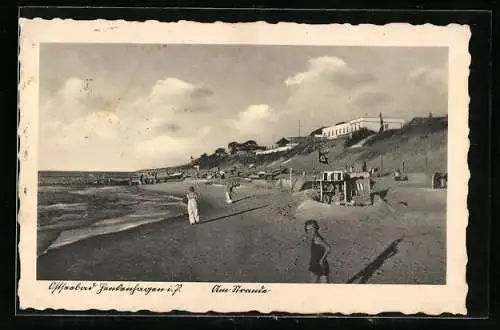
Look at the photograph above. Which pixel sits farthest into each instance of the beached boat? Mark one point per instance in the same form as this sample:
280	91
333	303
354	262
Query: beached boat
174	176
267	175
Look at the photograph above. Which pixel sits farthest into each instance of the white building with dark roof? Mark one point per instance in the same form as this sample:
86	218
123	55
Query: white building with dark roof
343	129
373	123
337	130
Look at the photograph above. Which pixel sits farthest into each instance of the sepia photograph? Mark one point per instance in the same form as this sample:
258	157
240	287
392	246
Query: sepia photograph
242	163
228	166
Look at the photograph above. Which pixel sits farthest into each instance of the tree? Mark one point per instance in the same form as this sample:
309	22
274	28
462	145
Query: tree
233	147
220	151
249	145
282	142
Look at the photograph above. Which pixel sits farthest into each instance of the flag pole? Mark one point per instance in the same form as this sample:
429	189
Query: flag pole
314	153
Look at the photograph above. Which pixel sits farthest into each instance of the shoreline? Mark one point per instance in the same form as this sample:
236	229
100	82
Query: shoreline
207	203
49	235
261	239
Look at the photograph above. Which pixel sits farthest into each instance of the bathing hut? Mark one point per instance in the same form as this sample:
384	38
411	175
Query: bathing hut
344	185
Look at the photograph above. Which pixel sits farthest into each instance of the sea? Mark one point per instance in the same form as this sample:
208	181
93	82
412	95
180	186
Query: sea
71	207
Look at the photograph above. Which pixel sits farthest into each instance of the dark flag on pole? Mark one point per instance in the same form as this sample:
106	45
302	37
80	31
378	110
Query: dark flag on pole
322	157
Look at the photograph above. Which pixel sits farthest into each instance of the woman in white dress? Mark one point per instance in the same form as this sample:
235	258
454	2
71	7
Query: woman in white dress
192	206
229	191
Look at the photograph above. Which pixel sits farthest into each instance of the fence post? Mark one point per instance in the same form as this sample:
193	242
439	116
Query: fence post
291	186
321	191
345	191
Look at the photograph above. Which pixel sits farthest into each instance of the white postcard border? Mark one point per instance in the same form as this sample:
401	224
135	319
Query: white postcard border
292	298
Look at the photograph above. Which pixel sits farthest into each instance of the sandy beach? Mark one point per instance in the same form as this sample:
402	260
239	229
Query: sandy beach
260	238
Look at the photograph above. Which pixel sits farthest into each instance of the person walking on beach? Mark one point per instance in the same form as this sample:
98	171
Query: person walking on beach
318	265
192	206
229	191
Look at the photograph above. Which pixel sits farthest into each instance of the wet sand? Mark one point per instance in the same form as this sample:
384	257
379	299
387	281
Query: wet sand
260	238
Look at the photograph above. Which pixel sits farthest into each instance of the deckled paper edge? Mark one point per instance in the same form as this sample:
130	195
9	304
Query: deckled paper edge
253	34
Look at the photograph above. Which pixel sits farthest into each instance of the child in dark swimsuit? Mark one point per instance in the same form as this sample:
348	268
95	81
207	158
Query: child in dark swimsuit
318	265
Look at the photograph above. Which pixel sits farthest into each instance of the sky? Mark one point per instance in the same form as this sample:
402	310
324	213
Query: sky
126	107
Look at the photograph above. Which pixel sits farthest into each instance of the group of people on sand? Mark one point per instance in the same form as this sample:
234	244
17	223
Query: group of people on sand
149	177
351	169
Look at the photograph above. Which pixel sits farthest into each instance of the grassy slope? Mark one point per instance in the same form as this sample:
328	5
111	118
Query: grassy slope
422	145
386	154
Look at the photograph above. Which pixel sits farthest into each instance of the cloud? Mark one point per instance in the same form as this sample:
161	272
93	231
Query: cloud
256	121
97	125
164	150
372	99
424	76
166	127
85	125
170	97
329	70
73	122
172	105
72	101
427	90
175	96
330	90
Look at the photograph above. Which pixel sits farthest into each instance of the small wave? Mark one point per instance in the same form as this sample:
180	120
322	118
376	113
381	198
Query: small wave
158	198
129	219
65	221
163	198
176	198
179	203
53	188
93	190
135	216
107	226
63	206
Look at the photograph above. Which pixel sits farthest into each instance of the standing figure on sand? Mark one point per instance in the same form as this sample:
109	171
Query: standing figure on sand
229	191
318	265
192	206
